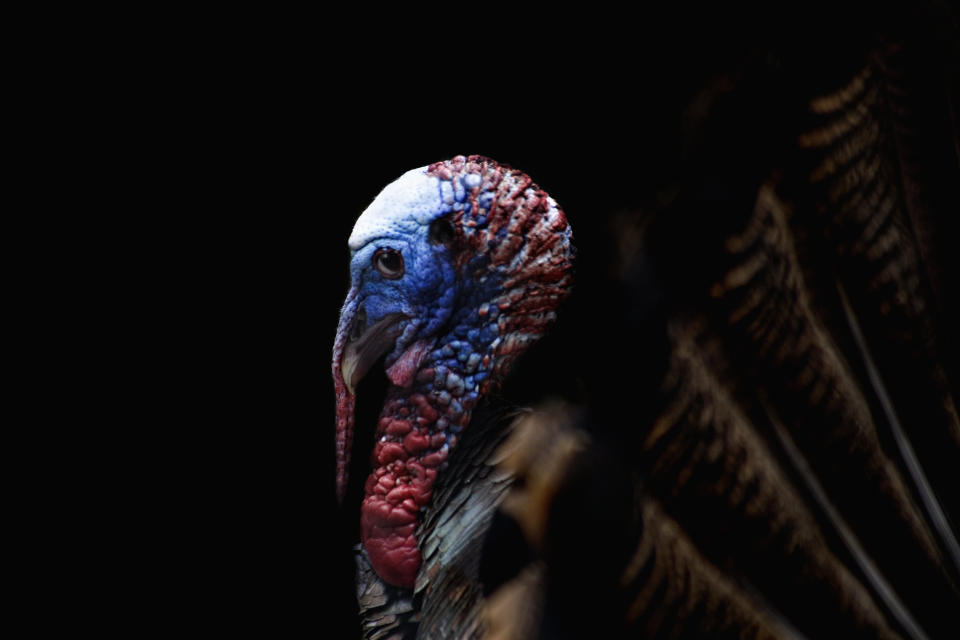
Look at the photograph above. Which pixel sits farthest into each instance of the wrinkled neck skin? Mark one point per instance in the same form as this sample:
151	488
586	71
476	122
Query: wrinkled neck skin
417	429
420	425
508	287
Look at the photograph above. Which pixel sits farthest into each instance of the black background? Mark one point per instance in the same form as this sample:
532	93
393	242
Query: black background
233	197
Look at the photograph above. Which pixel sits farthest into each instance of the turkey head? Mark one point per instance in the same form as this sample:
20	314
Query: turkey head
456	269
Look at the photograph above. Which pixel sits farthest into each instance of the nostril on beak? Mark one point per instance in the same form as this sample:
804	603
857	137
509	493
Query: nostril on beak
359	325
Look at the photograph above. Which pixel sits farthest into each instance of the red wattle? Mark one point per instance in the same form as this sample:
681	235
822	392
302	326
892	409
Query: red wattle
406	460
387	535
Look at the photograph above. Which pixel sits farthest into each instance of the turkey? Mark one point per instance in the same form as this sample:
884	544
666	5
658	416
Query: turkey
727	410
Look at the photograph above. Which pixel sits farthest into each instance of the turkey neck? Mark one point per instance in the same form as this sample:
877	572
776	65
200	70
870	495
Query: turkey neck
420	425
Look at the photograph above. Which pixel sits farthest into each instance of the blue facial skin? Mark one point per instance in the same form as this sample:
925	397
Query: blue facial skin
424	293
436	299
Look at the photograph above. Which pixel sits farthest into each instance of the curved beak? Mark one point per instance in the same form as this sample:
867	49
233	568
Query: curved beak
359	355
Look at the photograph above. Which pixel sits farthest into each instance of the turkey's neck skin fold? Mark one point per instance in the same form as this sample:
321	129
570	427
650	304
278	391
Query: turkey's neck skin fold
417	429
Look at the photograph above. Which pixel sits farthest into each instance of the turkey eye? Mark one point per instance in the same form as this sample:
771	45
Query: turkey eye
389	263
441	231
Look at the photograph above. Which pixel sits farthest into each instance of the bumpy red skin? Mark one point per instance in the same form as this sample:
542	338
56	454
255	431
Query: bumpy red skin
406	458
431	400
